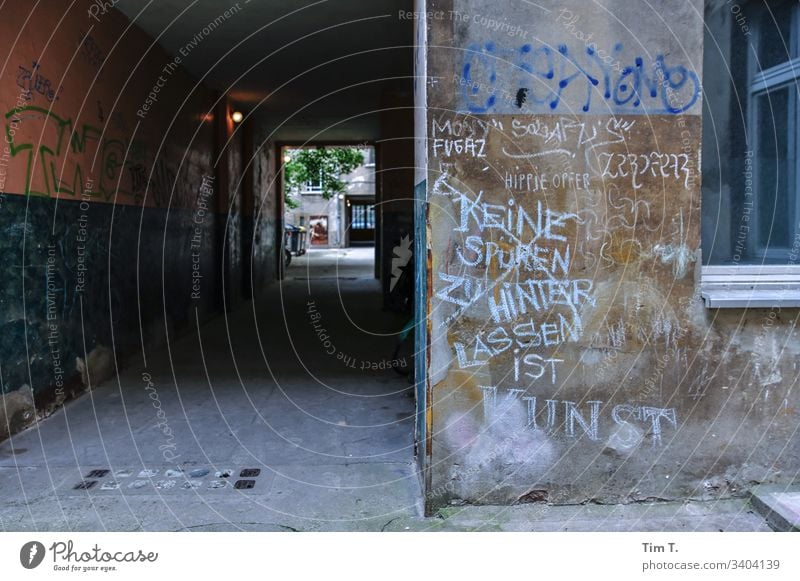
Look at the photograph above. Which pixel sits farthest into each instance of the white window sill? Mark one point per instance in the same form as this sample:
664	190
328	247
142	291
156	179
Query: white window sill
736	287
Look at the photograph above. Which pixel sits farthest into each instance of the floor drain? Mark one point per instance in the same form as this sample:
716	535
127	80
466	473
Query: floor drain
85	485
98	473
244	484
249	472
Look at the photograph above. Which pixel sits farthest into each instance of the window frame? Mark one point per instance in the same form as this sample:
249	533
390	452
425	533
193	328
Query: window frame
365	220
766	82
764	285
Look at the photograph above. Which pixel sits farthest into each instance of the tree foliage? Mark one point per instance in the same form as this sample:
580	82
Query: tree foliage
324	165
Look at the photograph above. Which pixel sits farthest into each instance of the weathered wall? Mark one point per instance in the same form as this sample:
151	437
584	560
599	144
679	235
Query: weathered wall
571	357
421	300
110	194
229	172
263	263
395	178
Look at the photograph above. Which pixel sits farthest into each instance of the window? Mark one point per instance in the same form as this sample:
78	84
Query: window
369	157
751	182
774	70
363	217
314	186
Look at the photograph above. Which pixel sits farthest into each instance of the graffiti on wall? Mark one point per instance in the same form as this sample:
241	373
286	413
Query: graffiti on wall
525	245
550	205
34	83
574	419
60	156
90	52
543	75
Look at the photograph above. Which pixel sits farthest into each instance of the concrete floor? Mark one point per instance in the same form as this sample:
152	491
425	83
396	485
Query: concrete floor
333	442
780	506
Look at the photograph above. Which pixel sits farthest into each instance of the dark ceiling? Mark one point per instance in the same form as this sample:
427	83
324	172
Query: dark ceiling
301	65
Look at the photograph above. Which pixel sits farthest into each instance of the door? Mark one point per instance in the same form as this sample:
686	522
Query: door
361	221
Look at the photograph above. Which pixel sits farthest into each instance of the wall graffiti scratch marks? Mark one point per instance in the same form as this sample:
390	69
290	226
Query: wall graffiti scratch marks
575	132
90	51
551	73
54	165
571	133
664	165
526	246
574	419
33	82
43	177
534	267
677	253
699	382
564	233
441	185
536	154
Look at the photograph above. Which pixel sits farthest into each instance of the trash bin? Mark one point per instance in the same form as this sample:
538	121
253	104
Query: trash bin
301	239
296	239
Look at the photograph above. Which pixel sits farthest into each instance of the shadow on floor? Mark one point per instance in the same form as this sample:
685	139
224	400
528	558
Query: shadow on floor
284	389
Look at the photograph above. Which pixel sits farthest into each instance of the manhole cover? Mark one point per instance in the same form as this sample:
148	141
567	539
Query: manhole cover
249	472
85	485
244	484
98	473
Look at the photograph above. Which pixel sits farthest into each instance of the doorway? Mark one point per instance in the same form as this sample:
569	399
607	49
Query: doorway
330	192
360	221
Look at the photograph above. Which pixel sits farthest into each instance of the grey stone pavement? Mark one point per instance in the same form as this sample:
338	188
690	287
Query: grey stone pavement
329	445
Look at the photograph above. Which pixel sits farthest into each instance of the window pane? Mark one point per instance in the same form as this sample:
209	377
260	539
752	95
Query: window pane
775	34
775	168
363	217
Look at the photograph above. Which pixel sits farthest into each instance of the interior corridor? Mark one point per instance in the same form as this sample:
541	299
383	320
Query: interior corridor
276	386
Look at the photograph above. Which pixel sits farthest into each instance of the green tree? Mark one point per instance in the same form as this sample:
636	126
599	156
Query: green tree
325	165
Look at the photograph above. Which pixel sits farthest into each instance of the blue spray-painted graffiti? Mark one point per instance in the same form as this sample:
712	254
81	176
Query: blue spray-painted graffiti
550	74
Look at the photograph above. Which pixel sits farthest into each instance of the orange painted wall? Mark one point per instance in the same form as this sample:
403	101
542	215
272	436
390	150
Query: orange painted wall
98	107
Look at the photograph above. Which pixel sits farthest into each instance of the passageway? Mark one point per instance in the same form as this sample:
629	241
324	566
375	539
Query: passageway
144	198
542	212
275	386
